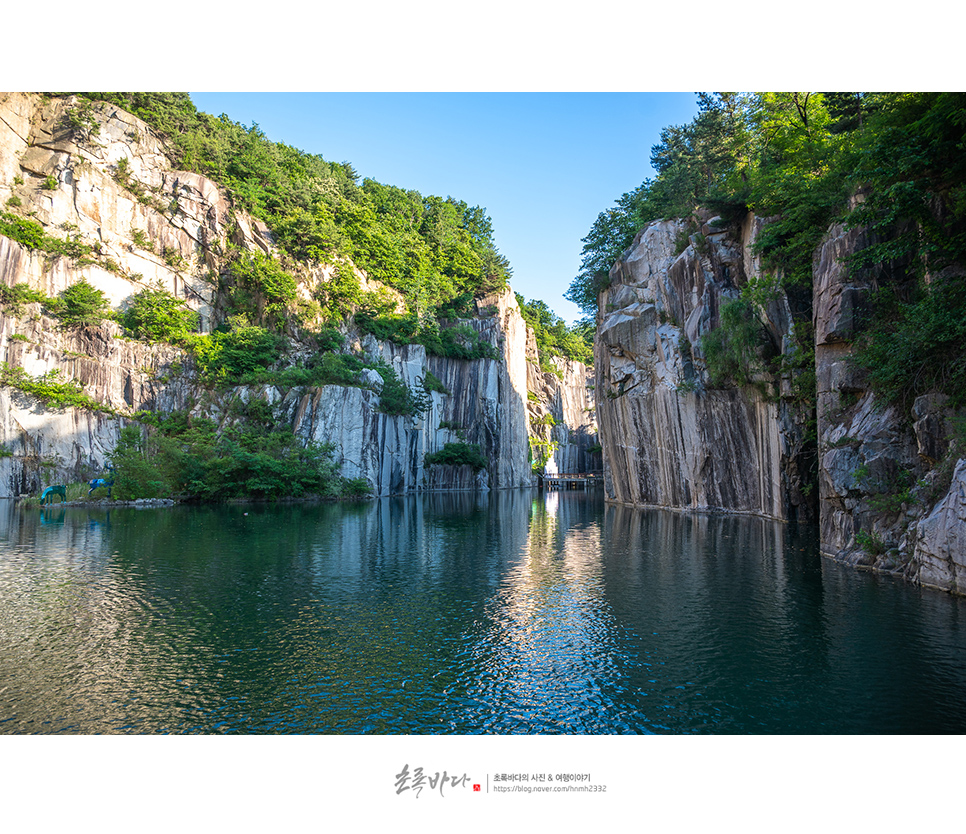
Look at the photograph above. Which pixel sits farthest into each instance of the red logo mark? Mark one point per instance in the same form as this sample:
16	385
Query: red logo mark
476	787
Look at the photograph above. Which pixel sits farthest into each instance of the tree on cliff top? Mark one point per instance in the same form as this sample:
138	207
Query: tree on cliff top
772	153
796	158
429	248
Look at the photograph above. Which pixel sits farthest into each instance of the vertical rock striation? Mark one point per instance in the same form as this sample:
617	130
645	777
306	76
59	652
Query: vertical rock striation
890	484
671	439
112	189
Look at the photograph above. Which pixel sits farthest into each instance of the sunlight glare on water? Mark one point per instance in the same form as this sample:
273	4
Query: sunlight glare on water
508	612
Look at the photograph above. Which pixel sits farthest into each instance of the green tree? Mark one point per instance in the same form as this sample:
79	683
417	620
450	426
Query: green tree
227	357
83	305
911	167
157	316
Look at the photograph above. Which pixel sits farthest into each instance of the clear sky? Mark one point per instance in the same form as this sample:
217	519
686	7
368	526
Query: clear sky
543	165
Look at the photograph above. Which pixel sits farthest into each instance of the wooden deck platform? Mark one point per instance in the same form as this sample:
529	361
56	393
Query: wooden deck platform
563	480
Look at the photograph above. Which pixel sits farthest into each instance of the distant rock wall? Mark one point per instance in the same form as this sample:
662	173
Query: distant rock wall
561	414
149	225
483	405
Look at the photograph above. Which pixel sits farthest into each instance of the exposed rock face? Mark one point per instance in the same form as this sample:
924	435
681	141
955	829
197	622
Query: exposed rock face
891	490
561	412
669	438
484	405
114	189
939	540
884	502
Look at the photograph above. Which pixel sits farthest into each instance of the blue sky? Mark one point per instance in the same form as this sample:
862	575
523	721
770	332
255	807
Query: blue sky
543	165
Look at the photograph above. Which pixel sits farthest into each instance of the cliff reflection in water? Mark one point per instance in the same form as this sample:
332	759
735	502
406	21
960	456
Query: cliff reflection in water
501	612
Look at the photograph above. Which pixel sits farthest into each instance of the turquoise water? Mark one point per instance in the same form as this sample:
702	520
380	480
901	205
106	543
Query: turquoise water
512	612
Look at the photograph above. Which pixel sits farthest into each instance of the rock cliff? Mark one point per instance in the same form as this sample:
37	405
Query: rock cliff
890	485
561	414
99	179
890	491
670	437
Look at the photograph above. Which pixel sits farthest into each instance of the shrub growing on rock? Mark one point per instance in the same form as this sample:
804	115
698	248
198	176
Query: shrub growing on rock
458	454
157	316
83	305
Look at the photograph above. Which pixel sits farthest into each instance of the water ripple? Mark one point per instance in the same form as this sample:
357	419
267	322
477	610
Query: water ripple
504	614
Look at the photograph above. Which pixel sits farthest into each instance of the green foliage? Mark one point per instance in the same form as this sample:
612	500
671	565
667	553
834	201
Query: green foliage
227	357
912	165
396	397
50	388
451	341
340	295
30	234
80	120
50	183
262	279
432	383
14	298
798	367
540	452
429	248
612	233
458	454
141	240
553	336
733	349
329	339
328	368
775	153
900	491
157	316
173	258
454	342
356	488
80	305
338	369
918	343
325	368
136	475
438	253
186	457
83	305
871	543
686	386
795	158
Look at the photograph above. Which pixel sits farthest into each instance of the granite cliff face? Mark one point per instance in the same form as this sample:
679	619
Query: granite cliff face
671	439
891	490
108	186
890	487
484	405
561	414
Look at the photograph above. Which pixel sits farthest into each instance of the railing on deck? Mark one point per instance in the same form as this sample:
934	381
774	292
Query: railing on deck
577	480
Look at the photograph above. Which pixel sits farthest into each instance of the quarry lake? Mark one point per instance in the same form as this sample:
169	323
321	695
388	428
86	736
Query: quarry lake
503	612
